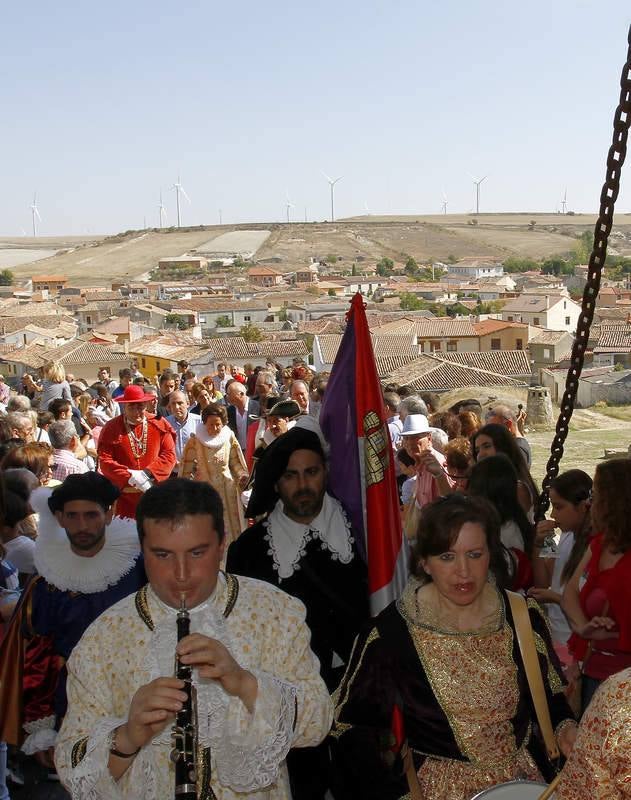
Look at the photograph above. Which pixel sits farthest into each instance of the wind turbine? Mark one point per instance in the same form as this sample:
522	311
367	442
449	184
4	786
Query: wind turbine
288	206
366	208
162	211
564	202
332	182
444	205
179	188
35	214
477	193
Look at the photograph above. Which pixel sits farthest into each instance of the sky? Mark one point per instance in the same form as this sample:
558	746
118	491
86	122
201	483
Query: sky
103	105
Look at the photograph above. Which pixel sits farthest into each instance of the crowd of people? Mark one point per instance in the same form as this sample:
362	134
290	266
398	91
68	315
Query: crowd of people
128	506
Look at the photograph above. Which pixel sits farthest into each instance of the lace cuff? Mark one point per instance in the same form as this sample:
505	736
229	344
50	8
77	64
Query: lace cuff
255	745
91	779
566	723
41	735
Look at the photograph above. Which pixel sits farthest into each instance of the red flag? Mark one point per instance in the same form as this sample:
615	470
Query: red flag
361	471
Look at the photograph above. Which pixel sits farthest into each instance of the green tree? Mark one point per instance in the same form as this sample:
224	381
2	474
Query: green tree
178	320
583	250
411	267
515	264
410	302
6	277
354	269
331	293
331	258
251	333
223	321
385	267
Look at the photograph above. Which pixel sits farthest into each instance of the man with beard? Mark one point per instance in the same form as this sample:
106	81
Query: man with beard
305	546
135	450
87	560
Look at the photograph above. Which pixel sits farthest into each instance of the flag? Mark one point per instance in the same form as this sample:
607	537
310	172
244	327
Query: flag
361	466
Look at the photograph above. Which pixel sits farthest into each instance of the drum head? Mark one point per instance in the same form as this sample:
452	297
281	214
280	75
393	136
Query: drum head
514	790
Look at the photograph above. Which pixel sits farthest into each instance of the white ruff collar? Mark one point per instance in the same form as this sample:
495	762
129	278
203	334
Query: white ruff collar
288	539
212	441
55	561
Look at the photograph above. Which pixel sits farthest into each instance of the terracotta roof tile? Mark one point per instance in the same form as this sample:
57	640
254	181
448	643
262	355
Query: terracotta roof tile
429	373
502	362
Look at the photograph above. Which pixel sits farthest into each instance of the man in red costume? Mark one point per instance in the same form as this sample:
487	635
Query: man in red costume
135	450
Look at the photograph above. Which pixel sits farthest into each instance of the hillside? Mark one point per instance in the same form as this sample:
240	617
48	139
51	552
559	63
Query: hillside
364	239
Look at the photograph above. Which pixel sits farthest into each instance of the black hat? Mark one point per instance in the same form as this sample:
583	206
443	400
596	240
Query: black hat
88	486
285	408
274	462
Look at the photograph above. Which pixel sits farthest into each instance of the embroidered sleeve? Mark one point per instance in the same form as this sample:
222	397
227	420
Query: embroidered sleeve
293	708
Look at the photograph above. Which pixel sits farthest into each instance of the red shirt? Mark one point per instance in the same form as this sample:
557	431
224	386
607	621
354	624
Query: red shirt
607	593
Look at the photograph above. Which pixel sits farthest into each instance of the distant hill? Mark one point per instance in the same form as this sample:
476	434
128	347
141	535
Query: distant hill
133	254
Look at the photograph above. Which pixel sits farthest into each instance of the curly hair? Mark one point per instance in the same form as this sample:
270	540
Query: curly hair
215	410
611	503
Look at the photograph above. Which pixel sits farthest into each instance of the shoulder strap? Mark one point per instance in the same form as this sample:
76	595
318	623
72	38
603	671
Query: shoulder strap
526	641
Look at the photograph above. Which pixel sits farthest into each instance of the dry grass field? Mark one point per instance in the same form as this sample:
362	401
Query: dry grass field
96	261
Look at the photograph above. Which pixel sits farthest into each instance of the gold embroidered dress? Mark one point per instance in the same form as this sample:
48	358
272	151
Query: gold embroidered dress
218	460
134	642
599	766
462	698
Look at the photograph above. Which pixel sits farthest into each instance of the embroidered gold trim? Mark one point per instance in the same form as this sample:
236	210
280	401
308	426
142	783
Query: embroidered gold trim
372	636
142	607
78	751
556	684
339	729
204	789
232	585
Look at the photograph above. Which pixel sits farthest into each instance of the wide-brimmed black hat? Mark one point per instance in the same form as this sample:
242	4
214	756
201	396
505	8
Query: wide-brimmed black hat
285	408
273	463
88	486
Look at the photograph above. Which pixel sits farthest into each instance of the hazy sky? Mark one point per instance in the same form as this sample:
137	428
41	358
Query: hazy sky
103	104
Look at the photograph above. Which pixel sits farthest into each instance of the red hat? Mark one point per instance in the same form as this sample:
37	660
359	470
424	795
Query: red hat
135	394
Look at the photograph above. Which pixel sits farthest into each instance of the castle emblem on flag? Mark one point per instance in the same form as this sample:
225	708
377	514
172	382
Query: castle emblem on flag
376	449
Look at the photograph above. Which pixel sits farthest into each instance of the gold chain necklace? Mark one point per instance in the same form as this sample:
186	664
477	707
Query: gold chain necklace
138	444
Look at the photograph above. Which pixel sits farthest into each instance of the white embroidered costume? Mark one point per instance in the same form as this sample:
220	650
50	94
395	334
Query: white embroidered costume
134	642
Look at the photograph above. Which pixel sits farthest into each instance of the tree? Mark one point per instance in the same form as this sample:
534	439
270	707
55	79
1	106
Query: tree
515	264
354	269
385	267
178	320
410	302
6	277
251	333
411	267
331	293
223	321
331	258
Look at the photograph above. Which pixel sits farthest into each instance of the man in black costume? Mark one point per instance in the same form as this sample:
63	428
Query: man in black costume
306	547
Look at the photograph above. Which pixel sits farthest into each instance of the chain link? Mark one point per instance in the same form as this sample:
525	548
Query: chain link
608	196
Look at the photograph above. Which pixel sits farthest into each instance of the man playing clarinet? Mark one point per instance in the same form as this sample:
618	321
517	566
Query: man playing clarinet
257	686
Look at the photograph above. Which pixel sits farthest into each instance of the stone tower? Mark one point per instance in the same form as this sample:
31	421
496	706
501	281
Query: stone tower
539	408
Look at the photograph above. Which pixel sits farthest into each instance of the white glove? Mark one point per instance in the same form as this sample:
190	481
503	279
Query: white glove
139	479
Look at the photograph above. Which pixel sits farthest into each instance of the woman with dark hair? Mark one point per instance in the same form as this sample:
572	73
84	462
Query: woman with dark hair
442	665
597	598
492	439
212	454
495	479
570	495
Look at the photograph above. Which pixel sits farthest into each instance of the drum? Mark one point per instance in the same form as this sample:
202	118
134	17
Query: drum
514	790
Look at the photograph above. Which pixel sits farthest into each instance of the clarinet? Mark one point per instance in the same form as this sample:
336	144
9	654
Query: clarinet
184	731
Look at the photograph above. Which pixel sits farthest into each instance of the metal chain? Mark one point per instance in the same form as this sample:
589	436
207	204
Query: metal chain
608	196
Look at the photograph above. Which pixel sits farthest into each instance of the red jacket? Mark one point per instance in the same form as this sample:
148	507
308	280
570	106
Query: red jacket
116	458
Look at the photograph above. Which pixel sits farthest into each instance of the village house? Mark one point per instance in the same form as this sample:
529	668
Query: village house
613	346
235	350
265	276
308	274
158	352
496	334
49	330
548	349
391	350
472	269
193	263
78	357
52	284
557	312
446	334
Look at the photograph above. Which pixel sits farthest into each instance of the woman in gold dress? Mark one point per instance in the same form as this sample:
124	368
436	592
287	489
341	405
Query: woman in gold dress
212	454
441	668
